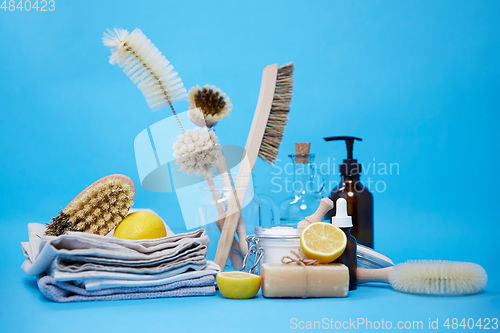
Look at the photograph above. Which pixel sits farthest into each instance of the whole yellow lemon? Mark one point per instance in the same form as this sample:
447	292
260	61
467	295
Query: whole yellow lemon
140	225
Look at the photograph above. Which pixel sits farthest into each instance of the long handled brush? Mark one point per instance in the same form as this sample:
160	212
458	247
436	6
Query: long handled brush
431	277
207	106
264	139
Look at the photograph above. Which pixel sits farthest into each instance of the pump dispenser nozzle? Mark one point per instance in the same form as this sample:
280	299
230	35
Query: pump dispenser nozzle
350	165
341	219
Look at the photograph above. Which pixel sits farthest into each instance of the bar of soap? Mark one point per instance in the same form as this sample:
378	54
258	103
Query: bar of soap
289	280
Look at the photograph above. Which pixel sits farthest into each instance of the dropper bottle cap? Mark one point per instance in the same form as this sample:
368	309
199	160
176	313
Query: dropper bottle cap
341	219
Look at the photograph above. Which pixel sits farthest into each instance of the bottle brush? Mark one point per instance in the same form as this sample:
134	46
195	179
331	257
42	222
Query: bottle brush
161	86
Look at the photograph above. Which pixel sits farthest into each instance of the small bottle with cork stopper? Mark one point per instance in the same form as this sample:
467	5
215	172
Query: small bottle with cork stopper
348	257
306	188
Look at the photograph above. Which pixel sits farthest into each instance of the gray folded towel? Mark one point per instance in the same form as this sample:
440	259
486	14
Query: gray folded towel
84	265
78	266
68	292
41	251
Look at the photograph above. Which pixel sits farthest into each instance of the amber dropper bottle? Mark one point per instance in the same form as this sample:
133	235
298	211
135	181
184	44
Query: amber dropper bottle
348	257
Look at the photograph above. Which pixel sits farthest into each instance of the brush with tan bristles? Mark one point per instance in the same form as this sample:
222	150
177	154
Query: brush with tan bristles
98	209
196	150
264	139
208	105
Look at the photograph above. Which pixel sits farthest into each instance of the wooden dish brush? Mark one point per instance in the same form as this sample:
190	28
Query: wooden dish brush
98	209
264	139
208	105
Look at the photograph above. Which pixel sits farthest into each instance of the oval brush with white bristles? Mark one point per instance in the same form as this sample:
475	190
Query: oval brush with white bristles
431	277
97	209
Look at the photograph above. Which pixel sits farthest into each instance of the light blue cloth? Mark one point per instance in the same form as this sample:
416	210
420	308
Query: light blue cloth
67	292
79	266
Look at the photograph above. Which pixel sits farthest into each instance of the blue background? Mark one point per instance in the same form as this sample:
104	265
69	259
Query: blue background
417	80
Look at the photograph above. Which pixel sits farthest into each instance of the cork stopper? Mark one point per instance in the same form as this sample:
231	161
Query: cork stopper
302	152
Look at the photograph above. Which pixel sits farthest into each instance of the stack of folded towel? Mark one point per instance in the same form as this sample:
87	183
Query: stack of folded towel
79	266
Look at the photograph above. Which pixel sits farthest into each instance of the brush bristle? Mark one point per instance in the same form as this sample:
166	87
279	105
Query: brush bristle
145	66
210	103
197	151
97	211
279	114
438	277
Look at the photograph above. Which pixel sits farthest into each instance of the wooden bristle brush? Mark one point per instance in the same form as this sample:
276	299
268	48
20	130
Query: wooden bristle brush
98	209
432	277
278	116
208	105
264	139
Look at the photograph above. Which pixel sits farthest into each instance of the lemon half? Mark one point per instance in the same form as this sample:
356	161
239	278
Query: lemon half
323	242
238	285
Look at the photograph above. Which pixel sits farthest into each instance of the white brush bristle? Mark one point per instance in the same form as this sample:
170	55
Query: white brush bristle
145	66
197	151
438	277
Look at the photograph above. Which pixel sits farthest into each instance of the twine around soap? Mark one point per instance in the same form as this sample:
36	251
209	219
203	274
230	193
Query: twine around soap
302	262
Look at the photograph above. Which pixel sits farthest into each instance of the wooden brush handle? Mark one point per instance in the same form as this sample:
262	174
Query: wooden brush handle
240	230
252	147
365	275
236	259
324	206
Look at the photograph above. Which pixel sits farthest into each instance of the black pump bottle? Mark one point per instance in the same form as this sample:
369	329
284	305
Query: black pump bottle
359	198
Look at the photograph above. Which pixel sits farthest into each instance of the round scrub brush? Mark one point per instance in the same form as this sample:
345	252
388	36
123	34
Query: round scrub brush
98	209
197	151
432	277
209	104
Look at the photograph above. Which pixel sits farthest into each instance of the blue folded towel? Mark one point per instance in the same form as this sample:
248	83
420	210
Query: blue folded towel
68	292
